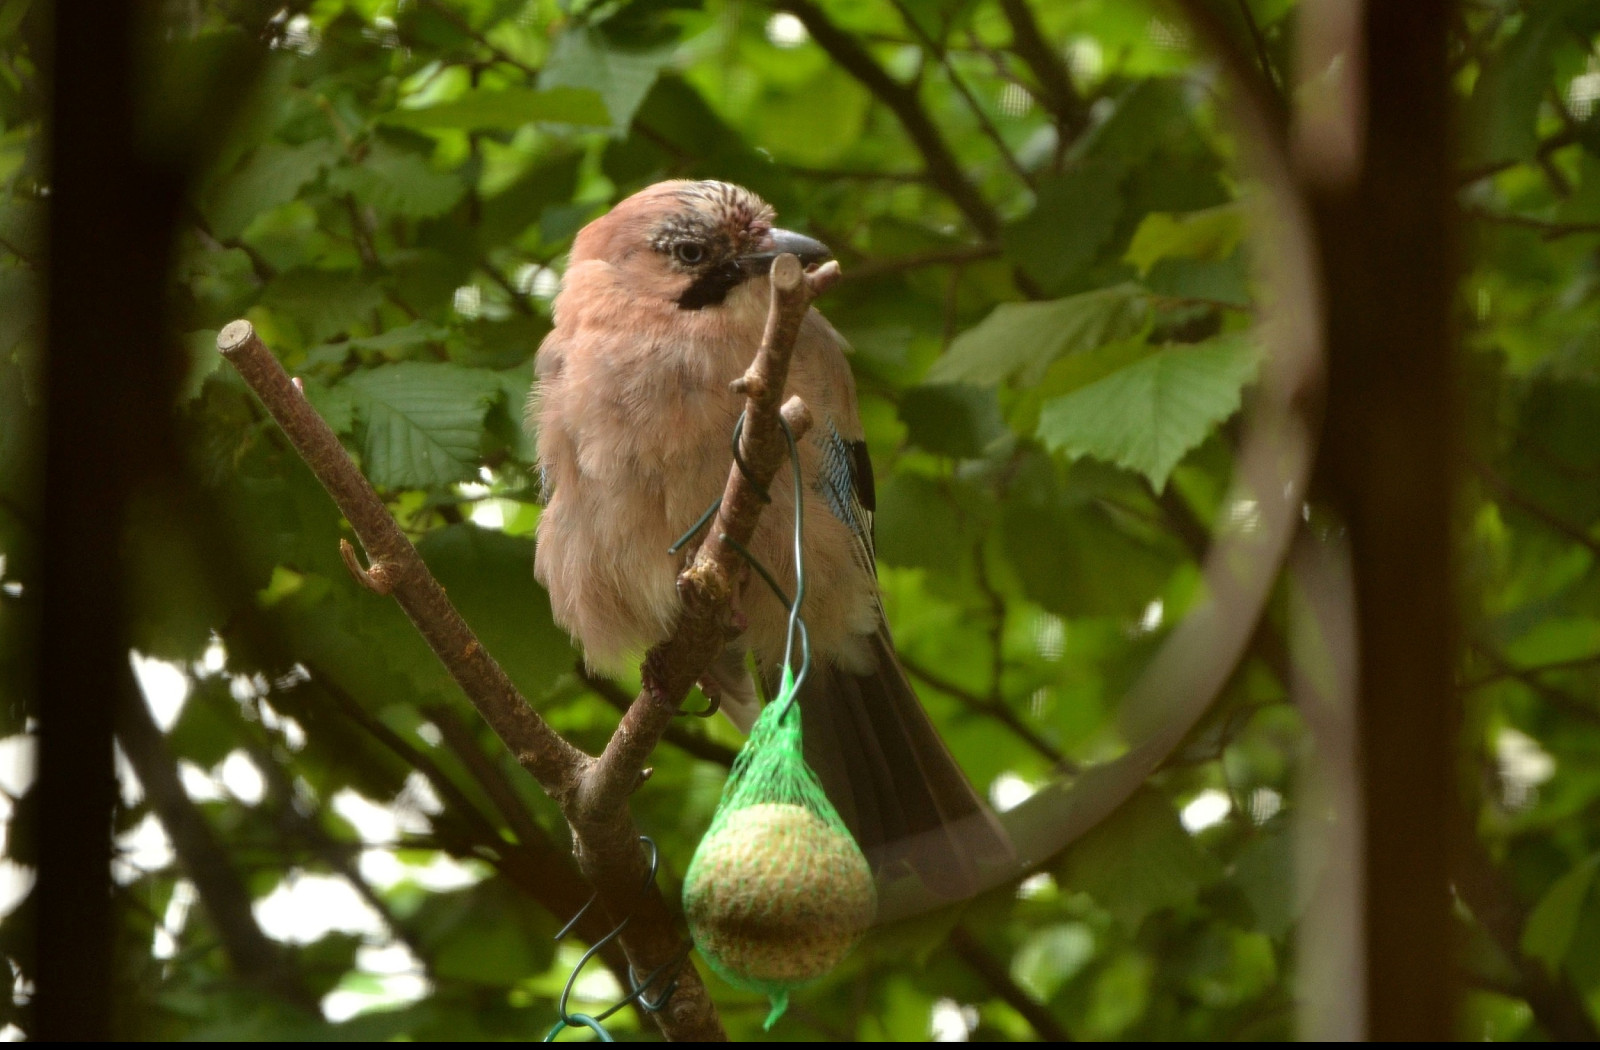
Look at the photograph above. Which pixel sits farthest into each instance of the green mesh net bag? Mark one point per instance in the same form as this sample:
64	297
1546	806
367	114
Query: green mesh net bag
778	890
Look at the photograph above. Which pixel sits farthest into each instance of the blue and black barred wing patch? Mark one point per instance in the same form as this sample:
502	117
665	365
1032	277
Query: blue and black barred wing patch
847	484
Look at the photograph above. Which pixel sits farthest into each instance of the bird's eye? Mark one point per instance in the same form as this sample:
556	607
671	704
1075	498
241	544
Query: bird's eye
688	252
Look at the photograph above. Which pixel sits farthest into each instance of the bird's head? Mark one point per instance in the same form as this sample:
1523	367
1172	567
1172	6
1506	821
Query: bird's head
691	243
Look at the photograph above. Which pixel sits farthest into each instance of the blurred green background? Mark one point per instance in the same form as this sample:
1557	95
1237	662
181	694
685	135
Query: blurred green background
1041	218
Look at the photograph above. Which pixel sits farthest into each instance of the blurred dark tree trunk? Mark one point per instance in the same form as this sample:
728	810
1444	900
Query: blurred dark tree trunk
109	390
1390	465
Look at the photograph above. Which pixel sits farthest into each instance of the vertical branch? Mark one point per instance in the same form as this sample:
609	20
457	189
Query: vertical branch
1388	253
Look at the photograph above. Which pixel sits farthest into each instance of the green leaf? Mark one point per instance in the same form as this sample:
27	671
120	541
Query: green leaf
1072	219
506	109
398	182
1212	234
952	419
490	579
1502	114
421	423
1264	872
1221	281
1051	957
918	524
323	303
581	59
487	934
1018	341
1551	924
1137	861
1070	555
550	182
1147	416
271	176
816	122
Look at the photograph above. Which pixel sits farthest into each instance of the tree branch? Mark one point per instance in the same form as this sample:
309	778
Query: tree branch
398	569
693	744
956	256
592	793
537	867
1057	91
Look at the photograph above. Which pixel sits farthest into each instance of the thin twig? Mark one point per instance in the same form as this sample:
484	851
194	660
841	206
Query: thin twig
995	974
1550	230
1268	70
1506	670
1057	91
942	55
1560	140
539	868
459	739
1506	494
956	256
999	711
222	892
943	168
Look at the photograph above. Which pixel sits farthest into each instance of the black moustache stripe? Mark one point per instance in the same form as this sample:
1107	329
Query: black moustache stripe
711	287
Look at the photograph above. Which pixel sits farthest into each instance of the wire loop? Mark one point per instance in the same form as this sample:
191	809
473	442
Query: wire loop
640	988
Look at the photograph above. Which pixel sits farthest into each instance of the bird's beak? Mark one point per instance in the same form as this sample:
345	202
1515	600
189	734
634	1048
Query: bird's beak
810	252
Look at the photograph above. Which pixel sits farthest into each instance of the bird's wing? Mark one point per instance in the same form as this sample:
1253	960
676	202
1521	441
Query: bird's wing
847	484
845	468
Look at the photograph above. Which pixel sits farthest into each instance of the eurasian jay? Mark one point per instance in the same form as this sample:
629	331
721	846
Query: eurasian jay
661	307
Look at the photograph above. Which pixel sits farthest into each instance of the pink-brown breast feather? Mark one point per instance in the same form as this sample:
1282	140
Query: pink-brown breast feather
634	418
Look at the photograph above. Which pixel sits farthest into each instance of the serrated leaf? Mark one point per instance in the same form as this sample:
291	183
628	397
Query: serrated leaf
421	423
271	176
1147	416
322	303
1018	341
1551	924
398	182
506	109
582	60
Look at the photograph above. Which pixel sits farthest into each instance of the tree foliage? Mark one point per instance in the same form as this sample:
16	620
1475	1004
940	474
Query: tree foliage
1045	234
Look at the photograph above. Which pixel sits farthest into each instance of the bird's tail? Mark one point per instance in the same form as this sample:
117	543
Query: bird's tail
893	780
